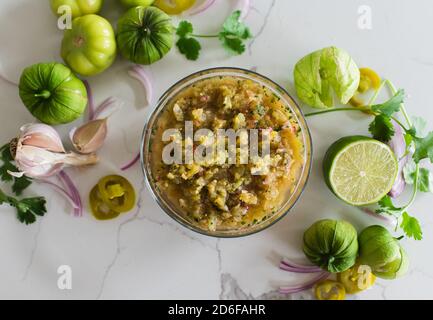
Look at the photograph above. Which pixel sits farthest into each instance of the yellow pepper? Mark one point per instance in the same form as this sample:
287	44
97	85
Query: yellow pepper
329	290
357	278
174	6
111	196
369	80
99	208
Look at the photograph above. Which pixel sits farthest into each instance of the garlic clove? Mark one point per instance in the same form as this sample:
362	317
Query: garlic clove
90	137
42	136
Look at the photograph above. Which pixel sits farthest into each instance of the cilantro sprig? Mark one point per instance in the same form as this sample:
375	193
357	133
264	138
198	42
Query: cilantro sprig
418	144
232	36
27	209
18	184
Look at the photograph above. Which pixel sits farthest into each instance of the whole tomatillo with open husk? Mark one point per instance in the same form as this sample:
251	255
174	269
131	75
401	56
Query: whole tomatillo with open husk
382	252
324	73
331	245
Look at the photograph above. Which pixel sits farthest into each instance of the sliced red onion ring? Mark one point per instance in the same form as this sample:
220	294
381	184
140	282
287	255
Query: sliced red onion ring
73	191
90	104
384	218
130	163
138	72
107	108
305	286
297	268
398	145
12	83
61	191
201	8
244	6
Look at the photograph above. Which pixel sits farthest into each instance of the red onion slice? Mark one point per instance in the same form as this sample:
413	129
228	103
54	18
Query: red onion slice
12	83
90	103
301	287
297	268
130	163
139	73
61	191
398	145
106	108
73	191
201	8
384	218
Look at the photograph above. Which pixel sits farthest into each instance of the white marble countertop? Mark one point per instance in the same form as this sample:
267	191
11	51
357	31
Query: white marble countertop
147	255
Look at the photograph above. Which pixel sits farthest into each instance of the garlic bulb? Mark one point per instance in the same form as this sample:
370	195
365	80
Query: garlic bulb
90	137
39	152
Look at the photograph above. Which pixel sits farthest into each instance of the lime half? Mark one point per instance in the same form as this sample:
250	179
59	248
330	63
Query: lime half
360	170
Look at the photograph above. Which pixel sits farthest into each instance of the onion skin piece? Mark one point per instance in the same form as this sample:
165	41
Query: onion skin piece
398	145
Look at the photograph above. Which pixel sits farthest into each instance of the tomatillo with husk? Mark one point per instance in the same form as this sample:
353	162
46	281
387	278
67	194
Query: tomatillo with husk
145	35
52	93
78	7
382	252
331	245
89	47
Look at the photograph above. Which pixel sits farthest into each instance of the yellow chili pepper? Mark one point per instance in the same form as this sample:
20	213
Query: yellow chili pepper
99	208
357	278
369	80
174	6
112	196
329	290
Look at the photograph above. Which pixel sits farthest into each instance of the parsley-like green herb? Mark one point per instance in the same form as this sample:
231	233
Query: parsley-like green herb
18	184
27	209
411	227
232	36
382	128
421	144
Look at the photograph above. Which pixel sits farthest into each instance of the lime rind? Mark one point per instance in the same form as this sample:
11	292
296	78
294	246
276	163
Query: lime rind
363	172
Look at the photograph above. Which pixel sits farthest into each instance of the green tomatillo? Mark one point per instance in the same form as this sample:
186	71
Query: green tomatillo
331	245
145	35
136	3
382	252
78	7
52	93
90	46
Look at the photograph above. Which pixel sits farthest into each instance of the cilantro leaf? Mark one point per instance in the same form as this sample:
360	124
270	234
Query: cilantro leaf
19	184
382	128
233	32
425	180
386	206
27	209
411	226
424	148
409	172
189	47
391	106
425	177
418	127
233	45
184	29
6	157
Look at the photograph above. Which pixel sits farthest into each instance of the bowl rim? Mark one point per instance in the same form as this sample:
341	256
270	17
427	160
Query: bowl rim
154	113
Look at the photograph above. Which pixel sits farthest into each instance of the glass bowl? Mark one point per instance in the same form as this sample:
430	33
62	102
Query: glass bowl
147	140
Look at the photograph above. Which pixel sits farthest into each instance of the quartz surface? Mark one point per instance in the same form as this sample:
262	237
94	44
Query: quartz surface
147	255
